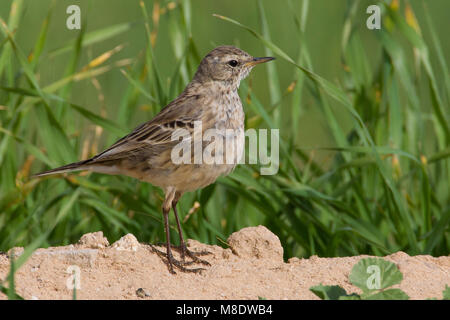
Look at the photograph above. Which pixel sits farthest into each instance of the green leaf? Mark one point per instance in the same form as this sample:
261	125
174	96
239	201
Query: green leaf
94	118
65	209
446	293
95	37
31	148
39	47
98	120
328	292
138	86
16	13
390	294
371	274
274	84
150	59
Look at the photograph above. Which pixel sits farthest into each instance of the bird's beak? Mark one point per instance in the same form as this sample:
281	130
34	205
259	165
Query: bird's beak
256	61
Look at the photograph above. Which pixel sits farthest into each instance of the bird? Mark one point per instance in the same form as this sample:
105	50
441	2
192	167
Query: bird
210	101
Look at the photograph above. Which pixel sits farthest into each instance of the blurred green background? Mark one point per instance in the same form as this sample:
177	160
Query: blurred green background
365	137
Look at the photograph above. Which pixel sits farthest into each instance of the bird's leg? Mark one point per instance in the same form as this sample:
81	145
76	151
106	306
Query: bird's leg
167	231
183	249
171	261
170	202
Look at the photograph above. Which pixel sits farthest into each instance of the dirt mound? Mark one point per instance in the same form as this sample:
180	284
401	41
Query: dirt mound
252	267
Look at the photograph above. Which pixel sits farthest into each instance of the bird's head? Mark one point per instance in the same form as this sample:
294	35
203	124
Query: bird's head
227	64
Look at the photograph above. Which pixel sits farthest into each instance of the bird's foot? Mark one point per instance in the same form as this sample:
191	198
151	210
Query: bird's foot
184	251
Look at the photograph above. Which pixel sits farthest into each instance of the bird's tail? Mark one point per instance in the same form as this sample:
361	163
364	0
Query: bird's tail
76	166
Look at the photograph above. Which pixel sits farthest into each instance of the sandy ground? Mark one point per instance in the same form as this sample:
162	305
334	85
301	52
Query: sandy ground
252	267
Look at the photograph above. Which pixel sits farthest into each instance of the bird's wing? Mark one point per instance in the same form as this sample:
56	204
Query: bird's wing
156	134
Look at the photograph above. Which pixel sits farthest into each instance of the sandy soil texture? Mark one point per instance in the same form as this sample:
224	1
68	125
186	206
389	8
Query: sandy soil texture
252	267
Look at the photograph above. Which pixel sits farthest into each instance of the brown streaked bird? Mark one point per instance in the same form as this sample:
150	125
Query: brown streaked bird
212	100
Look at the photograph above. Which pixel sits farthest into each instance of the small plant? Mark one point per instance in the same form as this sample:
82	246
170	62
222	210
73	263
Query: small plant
446	293
374	276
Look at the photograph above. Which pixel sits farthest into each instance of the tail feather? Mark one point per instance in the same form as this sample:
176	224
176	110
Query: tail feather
76	166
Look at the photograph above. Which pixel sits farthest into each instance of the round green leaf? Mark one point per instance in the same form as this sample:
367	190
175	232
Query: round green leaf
372	274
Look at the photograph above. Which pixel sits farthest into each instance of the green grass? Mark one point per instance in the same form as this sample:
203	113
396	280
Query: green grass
381	185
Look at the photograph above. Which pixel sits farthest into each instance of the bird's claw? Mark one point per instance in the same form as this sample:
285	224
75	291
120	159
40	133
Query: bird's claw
184	251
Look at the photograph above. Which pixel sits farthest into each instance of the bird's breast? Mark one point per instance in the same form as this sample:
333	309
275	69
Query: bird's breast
228	110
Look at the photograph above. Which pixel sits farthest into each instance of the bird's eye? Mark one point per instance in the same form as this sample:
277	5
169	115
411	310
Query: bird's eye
233	63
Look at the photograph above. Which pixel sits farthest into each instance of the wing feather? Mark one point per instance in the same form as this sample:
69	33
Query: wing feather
157	133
